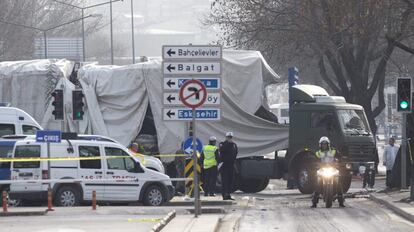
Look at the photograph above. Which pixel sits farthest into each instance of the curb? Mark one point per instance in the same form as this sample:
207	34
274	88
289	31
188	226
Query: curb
217	225
160	225
29	213
204	203
209	211
392	207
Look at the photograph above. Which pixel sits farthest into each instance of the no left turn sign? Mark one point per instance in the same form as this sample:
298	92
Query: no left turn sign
193	93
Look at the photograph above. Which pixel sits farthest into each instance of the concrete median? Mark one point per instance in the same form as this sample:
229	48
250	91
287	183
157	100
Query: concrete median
393	201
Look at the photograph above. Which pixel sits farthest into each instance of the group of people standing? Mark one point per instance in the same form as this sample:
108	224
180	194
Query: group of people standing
212	155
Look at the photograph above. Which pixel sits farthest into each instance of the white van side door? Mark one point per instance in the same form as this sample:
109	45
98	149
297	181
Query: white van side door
30	170
90	170
125	172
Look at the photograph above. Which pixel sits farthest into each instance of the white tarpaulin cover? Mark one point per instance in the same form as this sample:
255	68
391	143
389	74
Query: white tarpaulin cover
117	98
28	85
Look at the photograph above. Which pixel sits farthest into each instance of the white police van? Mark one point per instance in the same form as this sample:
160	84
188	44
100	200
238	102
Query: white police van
120	179
14	121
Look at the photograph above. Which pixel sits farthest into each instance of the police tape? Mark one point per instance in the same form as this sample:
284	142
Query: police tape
78	181
37	159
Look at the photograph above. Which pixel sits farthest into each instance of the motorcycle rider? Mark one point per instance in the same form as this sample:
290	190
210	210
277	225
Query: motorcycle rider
327	154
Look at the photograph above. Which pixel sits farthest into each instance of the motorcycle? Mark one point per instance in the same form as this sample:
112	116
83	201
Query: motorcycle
328	181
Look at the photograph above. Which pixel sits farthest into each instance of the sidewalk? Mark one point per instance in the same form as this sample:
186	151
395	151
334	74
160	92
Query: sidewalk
397	201
188	223
205	201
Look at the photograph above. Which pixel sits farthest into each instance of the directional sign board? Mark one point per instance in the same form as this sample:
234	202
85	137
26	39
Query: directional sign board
44	136
191	79
188	145
191	68
186	114
211	83
191	52
173	99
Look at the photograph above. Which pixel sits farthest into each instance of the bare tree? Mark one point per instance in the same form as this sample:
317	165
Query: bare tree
17	42
347	39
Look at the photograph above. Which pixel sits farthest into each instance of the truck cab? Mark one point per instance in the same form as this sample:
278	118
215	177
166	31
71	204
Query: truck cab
315	114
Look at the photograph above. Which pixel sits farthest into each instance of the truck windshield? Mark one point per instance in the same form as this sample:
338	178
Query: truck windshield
354	122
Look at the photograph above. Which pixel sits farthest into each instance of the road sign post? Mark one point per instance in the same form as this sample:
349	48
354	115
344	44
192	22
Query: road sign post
196	180
195	71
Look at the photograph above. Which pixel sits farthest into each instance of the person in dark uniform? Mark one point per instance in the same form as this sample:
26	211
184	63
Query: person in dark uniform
228	153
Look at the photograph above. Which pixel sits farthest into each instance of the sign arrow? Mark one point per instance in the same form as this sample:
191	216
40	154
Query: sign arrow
170	98
169	67
169	113
169	83
170	52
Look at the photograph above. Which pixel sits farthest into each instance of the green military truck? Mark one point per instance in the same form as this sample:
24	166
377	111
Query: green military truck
313	114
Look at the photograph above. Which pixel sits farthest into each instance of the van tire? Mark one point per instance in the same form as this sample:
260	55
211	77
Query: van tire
67	196
154	196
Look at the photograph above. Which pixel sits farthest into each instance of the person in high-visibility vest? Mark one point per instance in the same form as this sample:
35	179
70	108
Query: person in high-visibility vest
138	151
210	158
327	154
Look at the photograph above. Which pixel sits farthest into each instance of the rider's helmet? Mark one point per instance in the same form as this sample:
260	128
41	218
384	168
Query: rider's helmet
324	139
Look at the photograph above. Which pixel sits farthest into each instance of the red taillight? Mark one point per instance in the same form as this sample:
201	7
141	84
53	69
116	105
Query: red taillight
45	174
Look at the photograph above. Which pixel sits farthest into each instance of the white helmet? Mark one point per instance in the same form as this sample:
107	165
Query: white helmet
212	139
229	134
324	139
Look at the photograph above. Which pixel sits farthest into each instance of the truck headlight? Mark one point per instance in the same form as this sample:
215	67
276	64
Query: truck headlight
348	166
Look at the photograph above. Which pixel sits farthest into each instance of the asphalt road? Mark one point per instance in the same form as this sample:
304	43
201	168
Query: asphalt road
278	209
83	219
78	223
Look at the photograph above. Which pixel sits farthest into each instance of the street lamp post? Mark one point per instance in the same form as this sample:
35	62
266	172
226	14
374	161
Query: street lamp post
112	35
83	24
46	30
132	28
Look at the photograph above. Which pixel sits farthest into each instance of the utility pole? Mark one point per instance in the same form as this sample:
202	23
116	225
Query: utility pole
132	29
112	35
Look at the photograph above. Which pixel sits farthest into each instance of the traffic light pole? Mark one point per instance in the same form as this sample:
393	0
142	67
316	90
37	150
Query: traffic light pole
404	152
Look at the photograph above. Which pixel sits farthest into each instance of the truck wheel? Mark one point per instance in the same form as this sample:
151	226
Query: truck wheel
67	196
154	196
253	185
346	183
305	180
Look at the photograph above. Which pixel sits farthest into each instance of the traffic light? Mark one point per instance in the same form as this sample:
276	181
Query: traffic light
404	94
77	104
58	104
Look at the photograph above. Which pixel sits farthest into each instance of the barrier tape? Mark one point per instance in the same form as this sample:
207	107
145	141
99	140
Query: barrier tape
66	181
36	159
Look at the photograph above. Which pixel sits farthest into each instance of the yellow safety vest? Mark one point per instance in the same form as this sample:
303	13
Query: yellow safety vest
209	156
326	157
